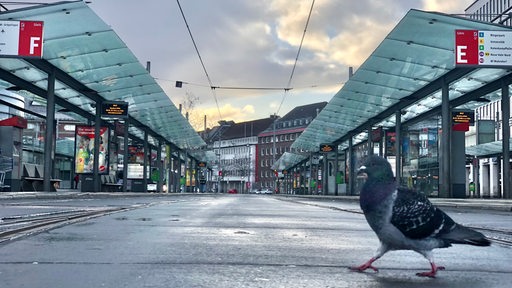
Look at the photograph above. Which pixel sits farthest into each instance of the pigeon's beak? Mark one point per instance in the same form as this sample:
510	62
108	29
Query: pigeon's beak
361	173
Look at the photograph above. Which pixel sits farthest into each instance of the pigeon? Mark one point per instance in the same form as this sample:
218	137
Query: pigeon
404	219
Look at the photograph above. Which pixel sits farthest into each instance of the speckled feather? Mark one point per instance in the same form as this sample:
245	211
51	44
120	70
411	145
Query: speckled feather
416	217
410	212
404	219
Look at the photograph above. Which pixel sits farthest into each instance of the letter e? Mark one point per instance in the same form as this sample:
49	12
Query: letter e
461	53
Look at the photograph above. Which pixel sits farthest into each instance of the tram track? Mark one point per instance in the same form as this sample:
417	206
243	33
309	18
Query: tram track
18	226
498	236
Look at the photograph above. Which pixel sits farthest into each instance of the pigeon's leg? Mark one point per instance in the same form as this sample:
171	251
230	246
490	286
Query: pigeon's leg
431	273
382	249
365	266
434	267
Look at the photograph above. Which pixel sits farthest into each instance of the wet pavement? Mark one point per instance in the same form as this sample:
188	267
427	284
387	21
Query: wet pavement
191	240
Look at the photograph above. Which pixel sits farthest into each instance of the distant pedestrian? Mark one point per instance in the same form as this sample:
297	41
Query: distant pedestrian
77	179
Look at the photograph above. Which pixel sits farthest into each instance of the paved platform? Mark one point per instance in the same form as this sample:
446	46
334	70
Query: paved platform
473	203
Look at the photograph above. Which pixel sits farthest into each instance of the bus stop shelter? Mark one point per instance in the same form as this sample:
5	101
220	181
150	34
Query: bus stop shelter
85	64
409	77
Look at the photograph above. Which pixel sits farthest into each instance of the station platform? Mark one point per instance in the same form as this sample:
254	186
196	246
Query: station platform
470	203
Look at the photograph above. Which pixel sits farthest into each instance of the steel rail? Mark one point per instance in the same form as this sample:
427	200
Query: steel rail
16	227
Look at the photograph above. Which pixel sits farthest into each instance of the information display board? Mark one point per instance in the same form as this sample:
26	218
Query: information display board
483	48
114	109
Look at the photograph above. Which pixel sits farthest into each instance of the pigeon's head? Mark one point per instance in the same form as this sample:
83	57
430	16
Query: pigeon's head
376	168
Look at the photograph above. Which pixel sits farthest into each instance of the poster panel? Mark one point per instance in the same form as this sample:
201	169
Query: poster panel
135	163
84	150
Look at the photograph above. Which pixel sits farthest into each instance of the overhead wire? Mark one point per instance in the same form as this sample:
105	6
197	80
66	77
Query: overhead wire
251	88
296	58
212	88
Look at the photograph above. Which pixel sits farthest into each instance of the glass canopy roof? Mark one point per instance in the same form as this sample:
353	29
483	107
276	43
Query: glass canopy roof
401	74
491	149
83	46
288	160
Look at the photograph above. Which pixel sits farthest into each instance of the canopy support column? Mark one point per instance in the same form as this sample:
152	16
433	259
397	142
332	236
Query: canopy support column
370	142
351	170
160	167
125	154
178	182
444	169
505	115
147	154
398	146
336	168
97	137
49	132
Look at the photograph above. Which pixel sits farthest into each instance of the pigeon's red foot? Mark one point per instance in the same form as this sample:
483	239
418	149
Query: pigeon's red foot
431	273
365	266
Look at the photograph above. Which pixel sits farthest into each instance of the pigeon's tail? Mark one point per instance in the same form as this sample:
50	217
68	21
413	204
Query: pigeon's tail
463	235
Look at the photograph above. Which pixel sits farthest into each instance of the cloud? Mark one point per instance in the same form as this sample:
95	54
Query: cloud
228	111
255	44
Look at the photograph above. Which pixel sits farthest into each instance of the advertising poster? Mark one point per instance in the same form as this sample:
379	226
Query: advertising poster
135	163
84	150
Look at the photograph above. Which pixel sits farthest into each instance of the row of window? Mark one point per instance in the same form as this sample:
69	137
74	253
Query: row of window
279	138
267	174
270	151
237	150
237	162
293	123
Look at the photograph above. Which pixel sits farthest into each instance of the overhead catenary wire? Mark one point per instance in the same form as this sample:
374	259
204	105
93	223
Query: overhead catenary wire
296	58
252	88
200	59
213	87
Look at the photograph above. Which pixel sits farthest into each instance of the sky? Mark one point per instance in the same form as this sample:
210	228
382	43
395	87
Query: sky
253	46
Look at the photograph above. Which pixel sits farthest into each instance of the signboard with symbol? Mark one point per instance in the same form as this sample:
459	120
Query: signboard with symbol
326	148
483	48
114	109
21	38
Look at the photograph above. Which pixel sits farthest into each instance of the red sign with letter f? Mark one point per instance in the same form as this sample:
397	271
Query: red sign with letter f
31	39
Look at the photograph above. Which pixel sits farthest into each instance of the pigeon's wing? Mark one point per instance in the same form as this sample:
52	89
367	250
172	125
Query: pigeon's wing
416	217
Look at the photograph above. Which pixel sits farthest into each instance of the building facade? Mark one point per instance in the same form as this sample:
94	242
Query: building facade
495	11
274	141
235	145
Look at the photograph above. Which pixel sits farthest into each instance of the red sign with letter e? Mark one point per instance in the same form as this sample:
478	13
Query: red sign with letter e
466	47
